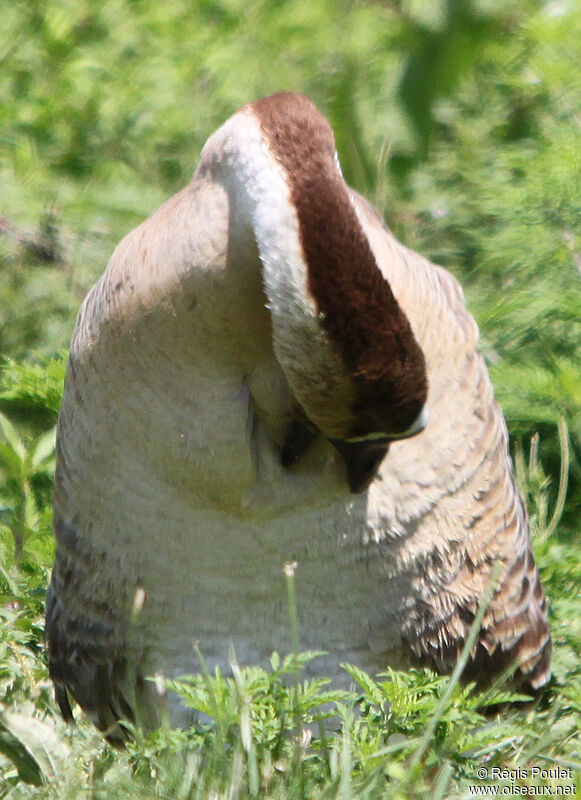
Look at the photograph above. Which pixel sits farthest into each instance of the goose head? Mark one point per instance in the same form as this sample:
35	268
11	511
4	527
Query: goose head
353	365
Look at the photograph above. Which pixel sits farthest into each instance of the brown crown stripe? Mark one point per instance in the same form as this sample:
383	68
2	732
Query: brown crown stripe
360	312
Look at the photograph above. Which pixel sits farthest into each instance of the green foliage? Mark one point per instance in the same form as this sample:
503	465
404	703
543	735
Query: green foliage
22	469
263	700
31	391
364	752
439	57
461	118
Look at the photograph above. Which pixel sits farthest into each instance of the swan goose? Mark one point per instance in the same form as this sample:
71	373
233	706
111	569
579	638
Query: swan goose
264	375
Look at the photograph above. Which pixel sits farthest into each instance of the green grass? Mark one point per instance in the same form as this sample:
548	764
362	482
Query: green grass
274	734
461	121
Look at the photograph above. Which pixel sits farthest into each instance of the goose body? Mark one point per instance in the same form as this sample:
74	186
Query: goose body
264	375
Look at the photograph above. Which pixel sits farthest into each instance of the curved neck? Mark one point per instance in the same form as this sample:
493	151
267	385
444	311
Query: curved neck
338	331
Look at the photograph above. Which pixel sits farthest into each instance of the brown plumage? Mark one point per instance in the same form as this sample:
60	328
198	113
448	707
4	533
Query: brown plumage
247	386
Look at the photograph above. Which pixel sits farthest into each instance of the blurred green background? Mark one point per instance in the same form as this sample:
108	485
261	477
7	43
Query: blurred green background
460	120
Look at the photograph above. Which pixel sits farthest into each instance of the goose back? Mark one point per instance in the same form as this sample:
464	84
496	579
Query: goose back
191	358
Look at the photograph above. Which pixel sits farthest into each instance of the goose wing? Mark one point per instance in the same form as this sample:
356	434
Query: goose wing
457	491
